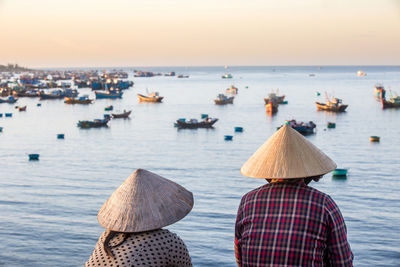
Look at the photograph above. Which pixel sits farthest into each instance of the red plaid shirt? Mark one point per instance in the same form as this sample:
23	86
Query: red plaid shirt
283	224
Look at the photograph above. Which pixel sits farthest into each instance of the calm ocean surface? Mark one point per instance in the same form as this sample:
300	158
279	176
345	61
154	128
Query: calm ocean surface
48	208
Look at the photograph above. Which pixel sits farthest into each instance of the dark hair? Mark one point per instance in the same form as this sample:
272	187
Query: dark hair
109	235
306	180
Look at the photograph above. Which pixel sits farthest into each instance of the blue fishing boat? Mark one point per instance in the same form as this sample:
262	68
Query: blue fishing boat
8	115
1	129
108	94
10	100
108	108
60	136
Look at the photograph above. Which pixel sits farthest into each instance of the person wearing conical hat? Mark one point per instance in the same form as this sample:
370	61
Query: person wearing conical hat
286	222
134	216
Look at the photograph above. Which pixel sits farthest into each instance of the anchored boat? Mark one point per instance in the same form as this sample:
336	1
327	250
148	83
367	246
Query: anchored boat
194	123
334	105
124	115
223	99
152	97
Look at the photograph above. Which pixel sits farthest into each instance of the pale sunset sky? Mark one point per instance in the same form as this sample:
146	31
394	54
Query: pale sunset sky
100	33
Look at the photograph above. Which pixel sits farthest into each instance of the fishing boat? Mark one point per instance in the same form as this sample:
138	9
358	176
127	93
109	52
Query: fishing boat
374	138
271	107
393	102
379	91
334	105
93	124
301	127
331	125
182	76
109	108
152	97
194	123
22	108
124	115
360	73
9	100
223	99
274	97
227	76
232	90
80	100
108	94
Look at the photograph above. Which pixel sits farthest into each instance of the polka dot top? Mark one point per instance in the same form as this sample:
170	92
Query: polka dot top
154	248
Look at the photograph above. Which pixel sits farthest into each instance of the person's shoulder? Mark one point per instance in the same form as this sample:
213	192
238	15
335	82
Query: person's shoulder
253	193
171	235
316	192
329	203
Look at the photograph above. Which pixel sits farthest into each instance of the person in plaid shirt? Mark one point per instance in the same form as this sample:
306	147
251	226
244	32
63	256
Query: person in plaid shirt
286	222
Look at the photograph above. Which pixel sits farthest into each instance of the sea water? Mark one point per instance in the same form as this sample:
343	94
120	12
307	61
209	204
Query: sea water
48	207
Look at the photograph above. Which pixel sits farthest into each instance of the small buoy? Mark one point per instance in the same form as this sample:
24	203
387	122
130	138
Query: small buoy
331	125
228	137
107	116
374	138
38	104
238	129
246	87
33	156
318	93
16	107
8	114
60	136
204	116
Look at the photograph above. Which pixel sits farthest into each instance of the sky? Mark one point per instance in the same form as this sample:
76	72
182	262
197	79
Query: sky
89	33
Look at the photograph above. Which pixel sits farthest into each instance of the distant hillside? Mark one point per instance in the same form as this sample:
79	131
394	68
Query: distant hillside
12	68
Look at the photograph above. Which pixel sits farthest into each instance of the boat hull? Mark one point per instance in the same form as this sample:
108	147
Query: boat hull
92	124
122	115
100	95
224	101
324	107
387	104
69	100
271	108
143	98
203	124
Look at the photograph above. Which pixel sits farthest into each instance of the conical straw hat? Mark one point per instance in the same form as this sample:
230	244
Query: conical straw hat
286	155
145	201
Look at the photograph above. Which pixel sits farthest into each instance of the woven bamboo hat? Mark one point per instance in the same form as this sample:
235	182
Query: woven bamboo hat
145	201
287	155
